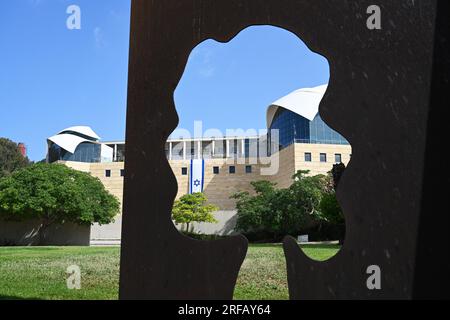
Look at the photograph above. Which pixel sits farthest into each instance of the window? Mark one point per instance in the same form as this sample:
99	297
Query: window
248	169
234	149
216	170
308	157
108	173
247	148
232	169
122	172
338	158
184	171
323	157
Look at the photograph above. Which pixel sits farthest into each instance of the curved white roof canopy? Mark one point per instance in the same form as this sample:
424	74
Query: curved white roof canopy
68	141
304	102
86	131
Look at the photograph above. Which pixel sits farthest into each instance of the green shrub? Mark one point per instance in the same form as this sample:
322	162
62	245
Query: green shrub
54	193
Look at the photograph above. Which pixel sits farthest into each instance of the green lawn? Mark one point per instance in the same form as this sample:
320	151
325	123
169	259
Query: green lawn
39	273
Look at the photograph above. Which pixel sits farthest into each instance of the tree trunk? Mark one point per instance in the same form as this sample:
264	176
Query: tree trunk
45	223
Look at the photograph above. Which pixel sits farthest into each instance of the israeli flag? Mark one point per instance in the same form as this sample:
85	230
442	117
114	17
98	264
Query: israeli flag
197	176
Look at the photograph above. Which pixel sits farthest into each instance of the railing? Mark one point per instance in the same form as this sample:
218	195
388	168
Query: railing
321	142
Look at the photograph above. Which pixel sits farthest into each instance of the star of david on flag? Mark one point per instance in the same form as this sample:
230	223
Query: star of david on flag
197	175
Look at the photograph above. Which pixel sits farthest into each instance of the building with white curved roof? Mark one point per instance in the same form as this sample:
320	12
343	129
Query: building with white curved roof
304	102
78	144
221	166
296	117
81	130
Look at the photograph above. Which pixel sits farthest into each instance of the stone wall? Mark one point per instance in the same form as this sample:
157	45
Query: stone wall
25	233
315	166
286	159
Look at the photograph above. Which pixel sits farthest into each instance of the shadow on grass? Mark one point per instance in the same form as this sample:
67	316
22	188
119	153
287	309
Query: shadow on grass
12	298
320	246
306	246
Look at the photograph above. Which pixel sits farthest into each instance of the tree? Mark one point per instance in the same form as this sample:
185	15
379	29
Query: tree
54	193
193	208
254	212
337	172
330	209
280	211
10	158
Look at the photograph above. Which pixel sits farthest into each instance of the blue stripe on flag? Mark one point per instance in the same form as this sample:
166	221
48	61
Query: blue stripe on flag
191	177
203	173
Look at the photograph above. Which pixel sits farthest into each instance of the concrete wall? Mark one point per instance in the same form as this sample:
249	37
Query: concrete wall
25	234
112	231
224	227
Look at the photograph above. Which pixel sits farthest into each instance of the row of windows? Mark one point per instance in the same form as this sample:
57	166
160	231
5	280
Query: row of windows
184	171
251	148
108	173
323	157
248	169
216	170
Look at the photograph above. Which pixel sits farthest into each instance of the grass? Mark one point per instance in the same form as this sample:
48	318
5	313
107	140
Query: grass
39	272
263	274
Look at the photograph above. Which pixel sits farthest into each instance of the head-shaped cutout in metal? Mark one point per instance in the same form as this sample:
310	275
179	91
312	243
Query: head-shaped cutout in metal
378	98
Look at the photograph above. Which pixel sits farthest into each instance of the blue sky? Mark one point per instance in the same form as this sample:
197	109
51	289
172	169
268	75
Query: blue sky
52	77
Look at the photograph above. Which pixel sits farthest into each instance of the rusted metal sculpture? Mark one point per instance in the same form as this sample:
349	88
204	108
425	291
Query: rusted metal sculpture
378	98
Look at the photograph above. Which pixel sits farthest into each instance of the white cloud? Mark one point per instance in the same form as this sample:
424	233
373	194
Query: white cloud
207	71
99	38
206	67
35	2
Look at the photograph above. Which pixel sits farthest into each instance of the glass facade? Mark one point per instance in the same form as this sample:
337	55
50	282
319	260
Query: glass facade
120	153
294	128
85	152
